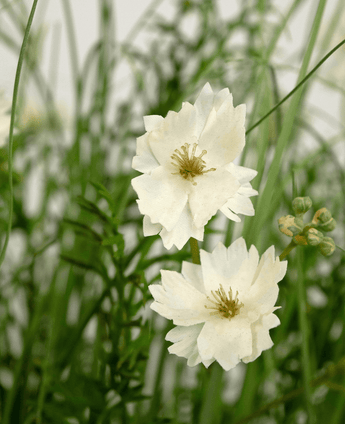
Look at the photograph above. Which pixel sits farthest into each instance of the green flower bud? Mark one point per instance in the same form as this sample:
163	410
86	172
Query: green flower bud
314	237
321	216
301	204
327	246
329	225
325	215
290	225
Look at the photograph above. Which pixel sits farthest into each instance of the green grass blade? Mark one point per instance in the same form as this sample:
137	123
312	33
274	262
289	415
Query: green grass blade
13	113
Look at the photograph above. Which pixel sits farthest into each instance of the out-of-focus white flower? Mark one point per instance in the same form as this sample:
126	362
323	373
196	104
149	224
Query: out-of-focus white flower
223	308
188	174
5	119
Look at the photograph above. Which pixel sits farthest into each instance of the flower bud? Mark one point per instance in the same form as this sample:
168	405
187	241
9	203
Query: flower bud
327	246
301	204
314	237
290	225
329	225
321	216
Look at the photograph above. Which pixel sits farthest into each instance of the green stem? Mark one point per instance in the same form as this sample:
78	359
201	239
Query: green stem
287	250
297	86
304	328
13	112
194	251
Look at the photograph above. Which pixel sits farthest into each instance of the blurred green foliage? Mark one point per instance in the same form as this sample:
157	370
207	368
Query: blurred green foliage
77	343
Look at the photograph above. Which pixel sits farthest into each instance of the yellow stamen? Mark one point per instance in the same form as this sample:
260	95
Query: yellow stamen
189	166
224	304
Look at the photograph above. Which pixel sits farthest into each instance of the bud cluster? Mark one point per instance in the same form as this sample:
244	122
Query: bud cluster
309	234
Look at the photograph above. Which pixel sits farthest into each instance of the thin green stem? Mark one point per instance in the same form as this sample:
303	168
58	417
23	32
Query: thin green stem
194	251
287	250
304	328
13	113
297	86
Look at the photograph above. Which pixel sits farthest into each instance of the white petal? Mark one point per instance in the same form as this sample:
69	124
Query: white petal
193	275
240	204
211	273
242	174
261	338
247	190
224	137
211	193
264	291
227	348
152	122
182	232
149	228
160	197
144	161
203	106
237	253
233	345
177	299
227	212
176	130
220	98
185	344
241	281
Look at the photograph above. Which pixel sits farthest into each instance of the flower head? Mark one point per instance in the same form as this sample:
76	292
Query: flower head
188	174
223	308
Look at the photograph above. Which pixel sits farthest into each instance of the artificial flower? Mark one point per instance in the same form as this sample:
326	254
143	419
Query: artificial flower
223	308
188	174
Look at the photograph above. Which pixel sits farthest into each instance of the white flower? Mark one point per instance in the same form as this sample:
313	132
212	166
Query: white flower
188	174
5	119
224	307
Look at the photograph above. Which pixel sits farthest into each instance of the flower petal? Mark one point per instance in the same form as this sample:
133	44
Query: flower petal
176	130
178	300
153	122
261	337
160	197
227	212
193	274
203	106
144	161
242	174
220	98
182	232
240	204
149	228
211	273
211	193
224	136
185	345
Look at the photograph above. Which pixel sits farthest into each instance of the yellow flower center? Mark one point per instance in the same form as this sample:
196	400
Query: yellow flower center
224	305
189	166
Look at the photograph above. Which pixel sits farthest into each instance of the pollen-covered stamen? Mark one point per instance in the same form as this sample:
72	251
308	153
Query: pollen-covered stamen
224	304
189	166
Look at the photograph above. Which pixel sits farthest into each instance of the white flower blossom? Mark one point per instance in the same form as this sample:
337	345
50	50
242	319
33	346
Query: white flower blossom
188	174
5	119
223	308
